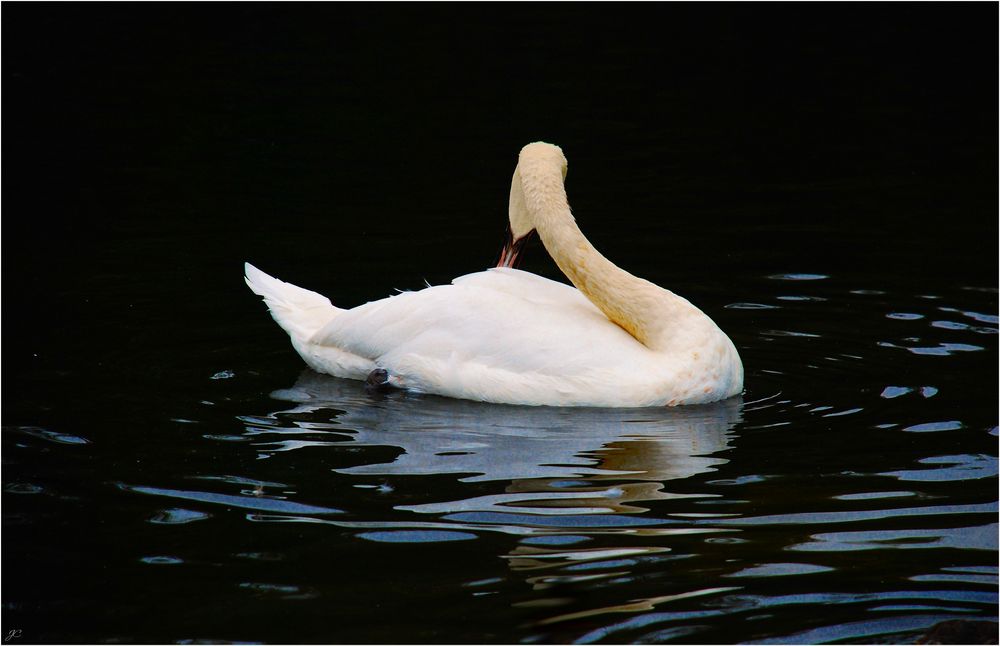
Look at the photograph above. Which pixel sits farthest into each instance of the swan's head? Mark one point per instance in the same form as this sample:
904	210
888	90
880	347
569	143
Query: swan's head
537	165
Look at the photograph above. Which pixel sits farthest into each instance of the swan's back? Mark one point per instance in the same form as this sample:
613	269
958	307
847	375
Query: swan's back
501	335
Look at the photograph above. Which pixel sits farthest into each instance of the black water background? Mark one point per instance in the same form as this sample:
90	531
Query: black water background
355	149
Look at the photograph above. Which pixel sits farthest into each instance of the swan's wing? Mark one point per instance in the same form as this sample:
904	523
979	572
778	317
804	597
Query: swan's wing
507	320
528	286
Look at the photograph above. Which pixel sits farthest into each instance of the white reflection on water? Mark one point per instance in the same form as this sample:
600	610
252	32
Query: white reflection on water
557	460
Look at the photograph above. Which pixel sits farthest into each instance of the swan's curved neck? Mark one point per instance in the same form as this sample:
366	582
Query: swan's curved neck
648	312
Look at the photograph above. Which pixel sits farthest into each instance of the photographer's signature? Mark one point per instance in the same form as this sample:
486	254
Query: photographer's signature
12	635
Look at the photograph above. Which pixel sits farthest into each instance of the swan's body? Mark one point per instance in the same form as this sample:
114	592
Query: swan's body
508	336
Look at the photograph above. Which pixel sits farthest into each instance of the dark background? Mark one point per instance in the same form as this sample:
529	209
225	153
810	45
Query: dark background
150	149
356	148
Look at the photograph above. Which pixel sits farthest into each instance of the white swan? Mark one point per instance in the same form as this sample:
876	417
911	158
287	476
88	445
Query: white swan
508	336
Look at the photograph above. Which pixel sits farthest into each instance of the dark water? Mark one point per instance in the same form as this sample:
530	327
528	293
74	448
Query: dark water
820	180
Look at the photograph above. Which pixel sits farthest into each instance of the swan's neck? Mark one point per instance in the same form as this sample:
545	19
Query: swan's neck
654	316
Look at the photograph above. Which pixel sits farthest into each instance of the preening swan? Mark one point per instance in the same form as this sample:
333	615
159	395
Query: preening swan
509	336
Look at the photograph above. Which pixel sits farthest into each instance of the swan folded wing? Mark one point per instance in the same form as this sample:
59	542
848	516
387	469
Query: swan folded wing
529	287
486	327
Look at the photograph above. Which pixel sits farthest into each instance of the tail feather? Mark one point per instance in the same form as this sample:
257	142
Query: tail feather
298	311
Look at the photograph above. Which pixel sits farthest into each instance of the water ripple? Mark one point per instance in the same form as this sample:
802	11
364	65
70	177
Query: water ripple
243	502
977	537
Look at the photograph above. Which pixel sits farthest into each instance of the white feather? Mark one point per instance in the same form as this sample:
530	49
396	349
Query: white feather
301	313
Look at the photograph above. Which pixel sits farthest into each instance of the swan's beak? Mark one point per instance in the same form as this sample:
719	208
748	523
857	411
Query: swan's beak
510	255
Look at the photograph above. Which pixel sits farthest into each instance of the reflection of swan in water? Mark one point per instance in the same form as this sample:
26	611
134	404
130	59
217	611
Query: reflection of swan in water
566	482
558	460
